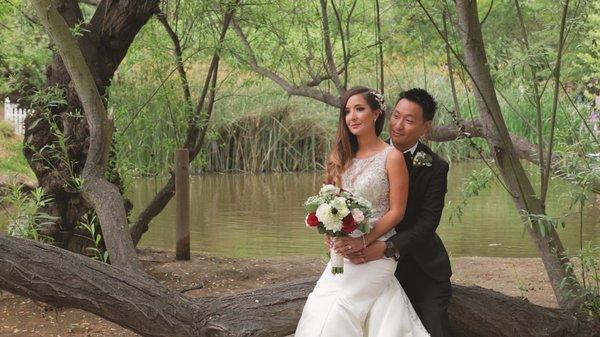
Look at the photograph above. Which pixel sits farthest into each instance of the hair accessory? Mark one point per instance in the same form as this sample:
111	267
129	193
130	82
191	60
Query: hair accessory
379	98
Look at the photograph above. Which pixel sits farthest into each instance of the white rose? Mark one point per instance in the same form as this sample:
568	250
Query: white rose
329	189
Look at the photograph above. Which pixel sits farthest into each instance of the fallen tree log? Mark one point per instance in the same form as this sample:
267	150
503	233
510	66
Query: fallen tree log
476	311
138	302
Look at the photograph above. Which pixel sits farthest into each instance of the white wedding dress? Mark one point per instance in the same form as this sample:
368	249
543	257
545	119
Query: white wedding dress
366	300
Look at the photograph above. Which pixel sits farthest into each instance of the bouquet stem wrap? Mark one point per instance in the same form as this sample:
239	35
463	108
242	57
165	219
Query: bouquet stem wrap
337	262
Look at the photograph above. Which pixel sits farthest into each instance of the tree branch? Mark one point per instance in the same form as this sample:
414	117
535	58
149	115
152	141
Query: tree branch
380	43
537	96
338	19
445	17
546	177
178	53
331	68
291	89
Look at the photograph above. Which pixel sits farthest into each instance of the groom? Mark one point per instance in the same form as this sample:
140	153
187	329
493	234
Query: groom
423	265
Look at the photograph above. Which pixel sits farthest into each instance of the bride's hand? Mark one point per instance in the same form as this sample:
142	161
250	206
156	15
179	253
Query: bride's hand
347	245
373	252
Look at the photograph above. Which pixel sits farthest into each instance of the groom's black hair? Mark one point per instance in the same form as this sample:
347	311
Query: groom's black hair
423	99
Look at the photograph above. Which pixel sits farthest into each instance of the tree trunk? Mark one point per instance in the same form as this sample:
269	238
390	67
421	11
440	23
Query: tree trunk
64	279
104	43
506	159
102	195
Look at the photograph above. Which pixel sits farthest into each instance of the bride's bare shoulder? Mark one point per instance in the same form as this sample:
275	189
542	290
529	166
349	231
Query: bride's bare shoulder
395	158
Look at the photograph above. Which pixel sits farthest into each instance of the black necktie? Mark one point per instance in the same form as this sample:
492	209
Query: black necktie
408	159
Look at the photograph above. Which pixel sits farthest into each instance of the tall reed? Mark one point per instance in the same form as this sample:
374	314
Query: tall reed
279	140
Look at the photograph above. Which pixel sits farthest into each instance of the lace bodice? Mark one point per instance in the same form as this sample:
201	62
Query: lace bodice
367	177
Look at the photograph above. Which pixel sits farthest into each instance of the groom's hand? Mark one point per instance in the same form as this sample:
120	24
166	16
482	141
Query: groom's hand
328	242
373	252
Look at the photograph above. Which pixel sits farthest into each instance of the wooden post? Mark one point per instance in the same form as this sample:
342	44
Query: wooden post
182	204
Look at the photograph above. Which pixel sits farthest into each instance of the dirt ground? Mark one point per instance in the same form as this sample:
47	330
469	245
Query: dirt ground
210	275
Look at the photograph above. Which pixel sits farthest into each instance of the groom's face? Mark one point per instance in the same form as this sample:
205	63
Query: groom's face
407	124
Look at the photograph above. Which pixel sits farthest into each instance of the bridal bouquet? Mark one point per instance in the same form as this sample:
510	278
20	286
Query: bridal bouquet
336	212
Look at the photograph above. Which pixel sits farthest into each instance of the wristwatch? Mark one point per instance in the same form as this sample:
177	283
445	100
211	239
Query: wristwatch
390	249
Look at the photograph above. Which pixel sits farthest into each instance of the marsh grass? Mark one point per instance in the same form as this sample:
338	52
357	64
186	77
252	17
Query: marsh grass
278	140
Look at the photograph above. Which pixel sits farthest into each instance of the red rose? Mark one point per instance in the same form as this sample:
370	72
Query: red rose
311	220
348	224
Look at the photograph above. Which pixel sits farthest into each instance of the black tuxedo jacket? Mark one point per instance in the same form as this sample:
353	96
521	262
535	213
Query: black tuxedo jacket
415	235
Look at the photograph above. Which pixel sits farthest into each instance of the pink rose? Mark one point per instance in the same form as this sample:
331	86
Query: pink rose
358	215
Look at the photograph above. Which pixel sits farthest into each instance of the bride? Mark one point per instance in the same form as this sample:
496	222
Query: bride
366	299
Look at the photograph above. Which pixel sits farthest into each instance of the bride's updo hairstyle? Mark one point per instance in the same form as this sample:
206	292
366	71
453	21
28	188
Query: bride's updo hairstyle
346	144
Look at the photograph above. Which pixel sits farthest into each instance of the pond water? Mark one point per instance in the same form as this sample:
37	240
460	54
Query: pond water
262	215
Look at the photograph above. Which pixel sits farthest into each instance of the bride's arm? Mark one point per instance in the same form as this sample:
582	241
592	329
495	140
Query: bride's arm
398	180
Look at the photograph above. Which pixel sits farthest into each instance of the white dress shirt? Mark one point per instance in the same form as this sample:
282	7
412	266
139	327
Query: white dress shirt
412	149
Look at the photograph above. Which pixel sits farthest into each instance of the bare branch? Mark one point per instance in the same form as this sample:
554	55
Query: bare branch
546	178
380	43
320	79
338	19
537	96
331	68
178	53
446	17
487	13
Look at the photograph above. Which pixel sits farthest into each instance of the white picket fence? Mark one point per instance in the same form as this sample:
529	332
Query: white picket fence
15	115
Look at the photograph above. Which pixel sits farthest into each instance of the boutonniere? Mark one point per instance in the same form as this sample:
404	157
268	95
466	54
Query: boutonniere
422	159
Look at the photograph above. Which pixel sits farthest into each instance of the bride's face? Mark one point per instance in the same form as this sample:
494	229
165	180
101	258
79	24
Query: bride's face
360	117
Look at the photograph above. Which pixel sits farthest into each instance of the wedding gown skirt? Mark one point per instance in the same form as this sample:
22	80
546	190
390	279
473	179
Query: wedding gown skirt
365	301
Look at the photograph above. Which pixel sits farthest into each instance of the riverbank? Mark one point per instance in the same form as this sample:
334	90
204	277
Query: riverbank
208	275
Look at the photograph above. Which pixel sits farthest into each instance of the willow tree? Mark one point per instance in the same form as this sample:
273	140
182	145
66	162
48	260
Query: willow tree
530	206
56	136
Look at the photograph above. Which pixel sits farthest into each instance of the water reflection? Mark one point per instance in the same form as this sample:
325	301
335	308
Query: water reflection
262	215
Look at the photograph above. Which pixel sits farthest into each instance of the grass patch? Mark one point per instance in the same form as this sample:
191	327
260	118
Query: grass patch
12	160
